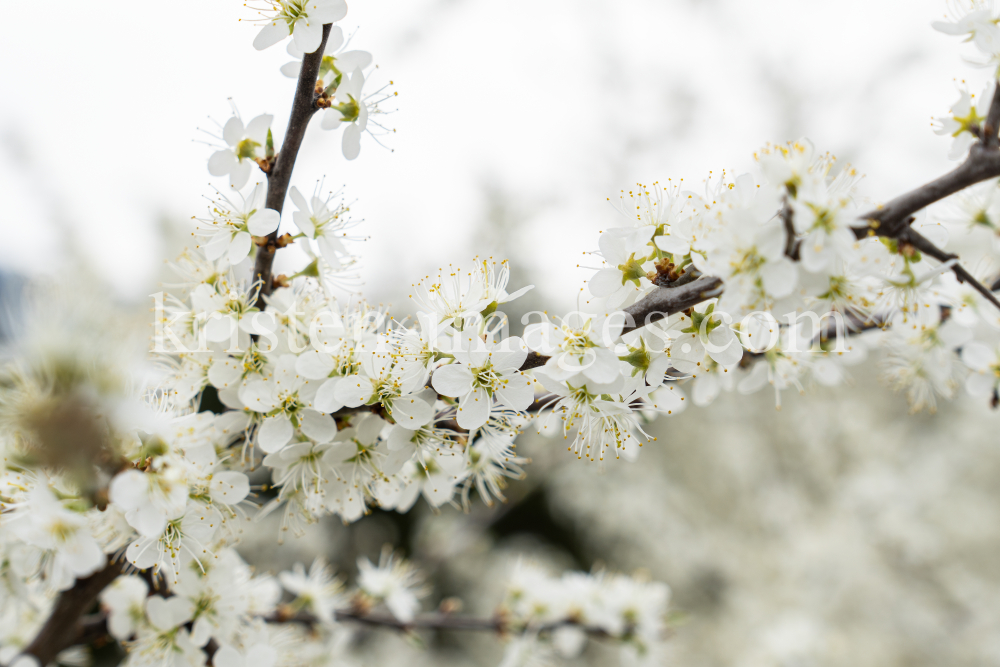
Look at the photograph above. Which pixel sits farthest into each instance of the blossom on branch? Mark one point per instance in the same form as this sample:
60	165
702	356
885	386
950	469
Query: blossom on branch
302	19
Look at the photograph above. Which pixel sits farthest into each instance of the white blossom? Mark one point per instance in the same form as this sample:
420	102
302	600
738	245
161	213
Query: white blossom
967	114
318	590
243	146
232	227
125	599
302	19
394	582
484	371
336	60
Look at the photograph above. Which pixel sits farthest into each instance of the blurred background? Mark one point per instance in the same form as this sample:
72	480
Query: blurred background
838	531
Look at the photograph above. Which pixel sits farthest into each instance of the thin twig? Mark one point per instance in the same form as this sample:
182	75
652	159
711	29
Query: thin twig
303	108
924	245
94	628
439	621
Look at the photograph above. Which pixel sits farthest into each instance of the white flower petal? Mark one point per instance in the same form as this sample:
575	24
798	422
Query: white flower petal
978	356
143	553
315	426
271	34
327	11
314	365
335	40
779	277
274	433
362	116
518	393
331	119
452	380
224	372
222	162
331	249
263	222
473	409
129	489
411	411
257	128
227	656
604	367
687	353
218	245
724	347
232	131
304	222
297	199
351	143
147	520
308	34
354	390
605	282
240	174
350	60
980	384
229	487
239	247
292	69
706	389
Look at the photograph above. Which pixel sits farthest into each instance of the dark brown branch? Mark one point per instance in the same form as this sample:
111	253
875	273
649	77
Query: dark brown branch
303	108
791	244
533	360
423	622
992	120
63	625
665	301
889	219
438	621
93	629
671	278
658	304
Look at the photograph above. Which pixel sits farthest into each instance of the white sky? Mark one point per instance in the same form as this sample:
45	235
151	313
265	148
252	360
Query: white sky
556	104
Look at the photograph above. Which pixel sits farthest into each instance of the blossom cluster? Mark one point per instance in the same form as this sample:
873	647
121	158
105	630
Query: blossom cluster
556	614
165	495
339	400
804	294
